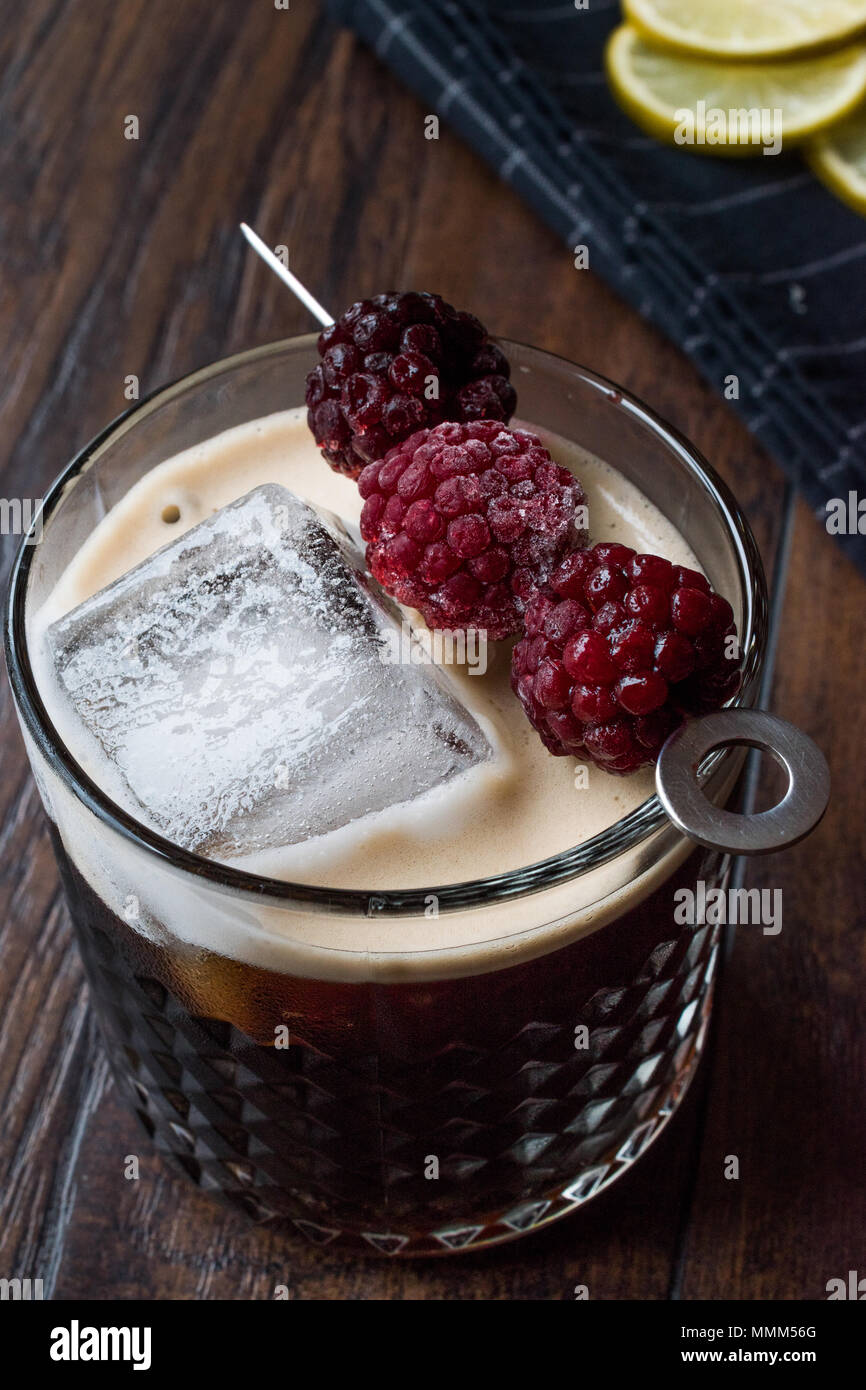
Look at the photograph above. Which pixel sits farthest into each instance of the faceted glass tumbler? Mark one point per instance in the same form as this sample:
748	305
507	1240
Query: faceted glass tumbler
427	1088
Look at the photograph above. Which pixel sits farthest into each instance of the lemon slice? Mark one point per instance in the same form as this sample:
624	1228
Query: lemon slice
838	157
747	28
723	108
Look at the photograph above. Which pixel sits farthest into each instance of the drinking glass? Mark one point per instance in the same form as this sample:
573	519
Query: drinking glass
342	1063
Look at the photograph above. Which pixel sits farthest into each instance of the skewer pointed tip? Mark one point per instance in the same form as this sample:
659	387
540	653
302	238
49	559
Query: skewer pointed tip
294	284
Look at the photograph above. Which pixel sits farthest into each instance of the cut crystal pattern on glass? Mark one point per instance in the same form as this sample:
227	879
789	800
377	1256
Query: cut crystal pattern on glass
299	1140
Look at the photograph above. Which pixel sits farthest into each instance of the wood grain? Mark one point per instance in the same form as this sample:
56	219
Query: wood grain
788	1098
123	257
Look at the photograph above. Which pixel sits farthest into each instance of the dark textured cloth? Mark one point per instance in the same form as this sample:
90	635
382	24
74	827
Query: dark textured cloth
750	266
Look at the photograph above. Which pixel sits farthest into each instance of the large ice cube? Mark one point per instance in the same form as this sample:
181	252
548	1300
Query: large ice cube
236	680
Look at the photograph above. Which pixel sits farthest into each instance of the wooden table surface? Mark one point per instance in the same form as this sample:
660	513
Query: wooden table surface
123	257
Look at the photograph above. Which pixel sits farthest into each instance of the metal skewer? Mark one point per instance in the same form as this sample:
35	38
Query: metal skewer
294	284
751	832
677	782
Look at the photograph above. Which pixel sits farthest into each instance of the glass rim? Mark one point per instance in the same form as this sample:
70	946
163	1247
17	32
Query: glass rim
625	834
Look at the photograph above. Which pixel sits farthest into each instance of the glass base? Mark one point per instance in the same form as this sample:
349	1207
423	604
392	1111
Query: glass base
343	1151
501	1227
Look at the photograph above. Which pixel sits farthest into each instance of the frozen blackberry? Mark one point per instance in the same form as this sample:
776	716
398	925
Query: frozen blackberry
617	650
465	521
399	363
